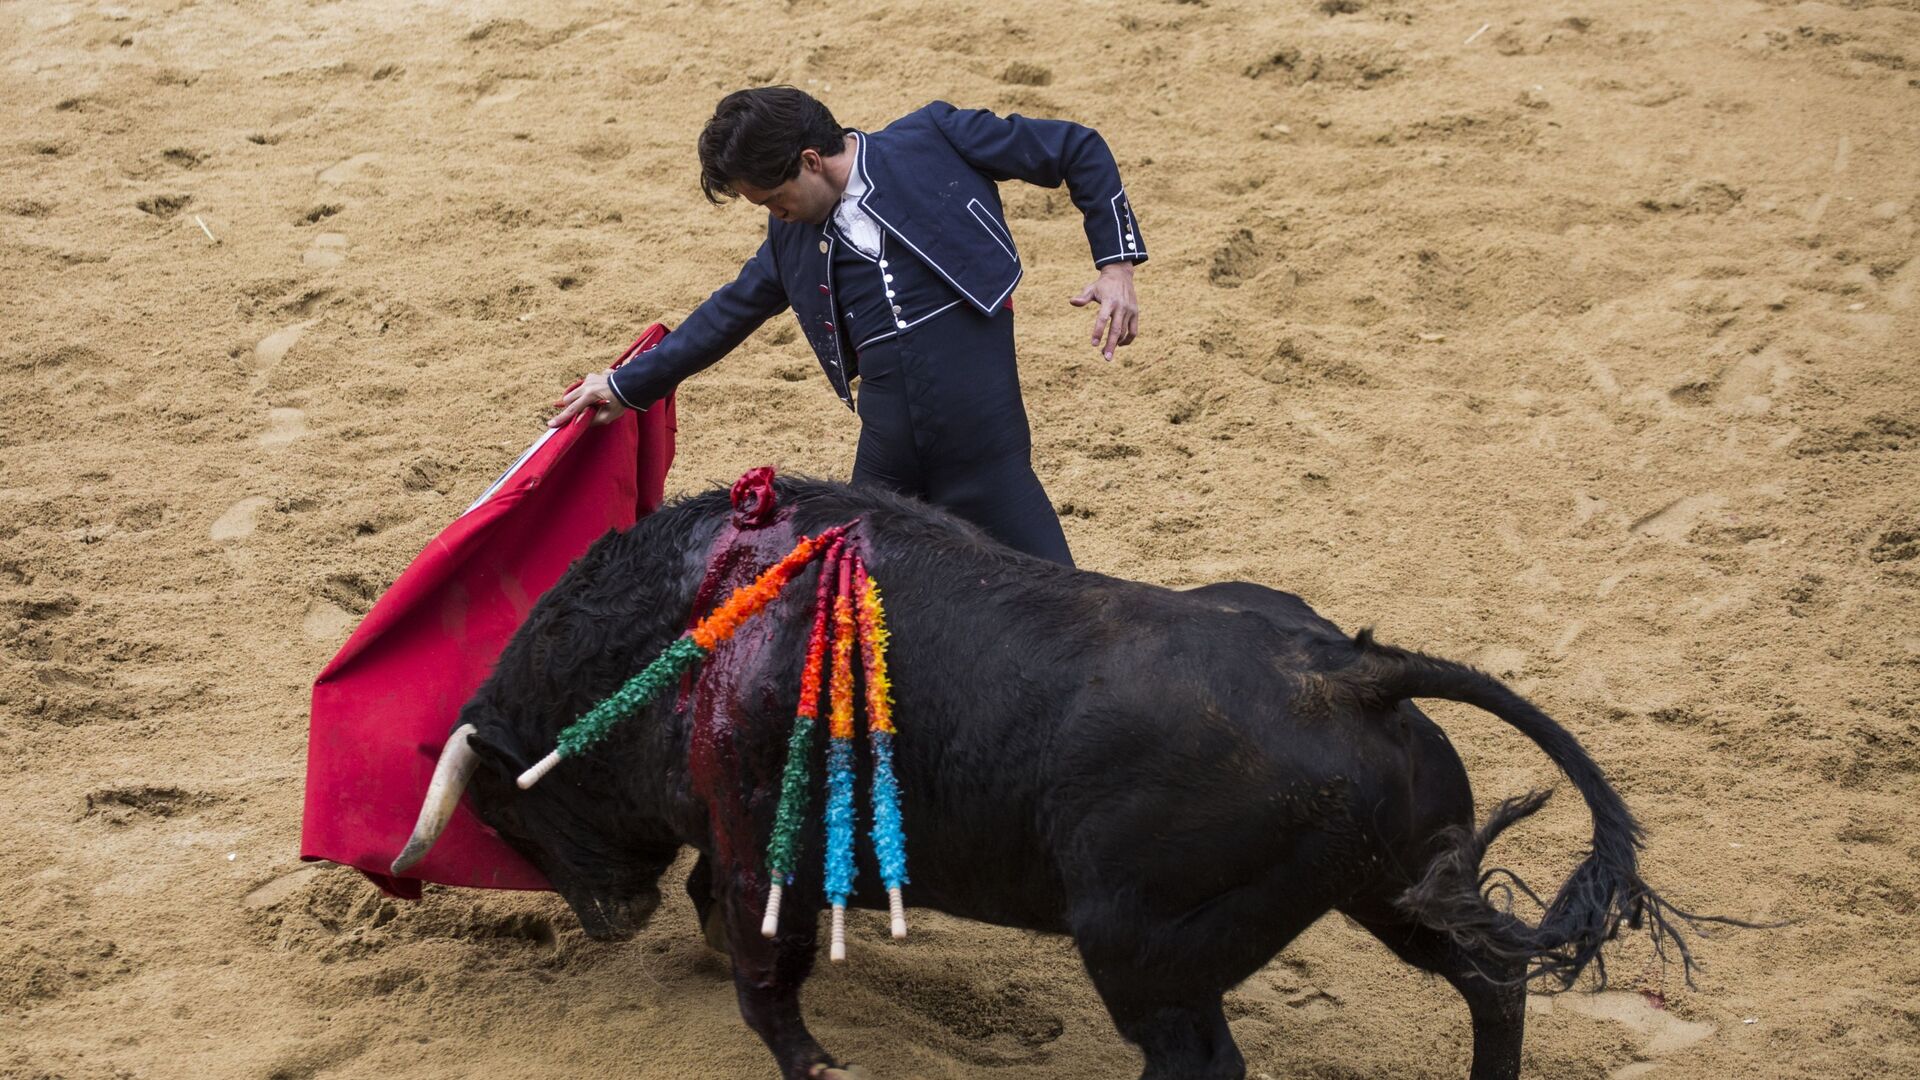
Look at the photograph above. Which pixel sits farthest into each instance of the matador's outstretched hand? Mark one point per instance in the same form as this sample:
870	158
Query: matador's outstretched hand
592	393
1119	318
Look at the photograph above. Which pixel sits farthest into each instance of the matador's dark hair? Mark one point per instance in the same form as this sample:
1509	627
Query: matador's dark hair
756	136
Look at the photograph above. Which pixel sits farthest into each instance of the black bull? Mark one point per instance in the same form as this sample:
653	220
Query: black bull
1182	781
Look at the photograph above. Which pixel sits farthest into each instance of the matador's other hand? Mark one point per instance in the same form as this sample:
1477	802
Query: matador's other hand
1119	318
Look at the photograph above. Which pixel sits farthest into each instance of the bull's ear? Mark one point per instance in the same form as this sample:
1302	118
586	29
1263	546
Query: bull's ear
496	757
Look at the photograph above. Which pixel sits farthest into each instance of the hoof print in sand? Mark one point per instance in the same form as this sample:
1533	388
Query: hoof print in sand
1021	73
274	347
1694	197
240	519
1879	433
316	1058
146	802
352	592
272	892
1675	520
328	249
1896	545
163	206
1240	258
41	608
283	426
1657	1032
49	967
326	621
427	474
1281	996
348	171
988	1026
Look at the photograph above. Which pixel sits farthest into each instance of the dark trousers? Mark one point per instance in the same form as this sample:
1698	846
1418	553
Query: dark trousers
941	420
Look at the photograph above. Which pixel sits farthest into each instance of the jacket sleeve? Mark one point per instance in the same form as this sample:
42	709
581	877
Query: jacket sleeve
1048	152
709	332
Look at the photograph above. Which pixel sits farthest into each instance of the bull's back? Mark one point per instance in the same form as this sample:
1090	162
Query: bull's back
1057	727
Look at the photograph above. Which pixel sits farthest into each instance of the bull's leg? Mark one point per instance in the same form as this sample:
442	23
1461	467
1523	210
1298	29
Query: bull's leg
1182	1037
1187	1041
1496	998
1171	1011
1162	971
767	977
706	905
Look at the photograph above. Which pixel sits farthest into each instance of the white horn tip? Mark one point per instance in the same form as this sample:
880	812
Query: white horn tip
450	775
414	852
541	768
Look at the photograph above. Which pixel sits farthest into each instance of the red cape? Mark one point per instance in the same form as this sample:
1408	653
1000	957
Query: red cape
385	705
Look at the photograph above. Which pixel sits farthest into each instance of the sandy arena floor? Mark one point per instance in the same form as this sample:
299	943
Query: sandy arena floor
1575	339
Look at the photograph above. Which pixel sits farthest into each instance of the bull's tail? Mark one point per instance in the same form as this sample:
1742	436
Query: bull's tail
1455	896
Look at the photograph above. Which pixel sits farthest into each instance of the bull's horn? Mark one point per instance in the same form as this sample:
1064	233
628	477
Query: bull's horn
450	778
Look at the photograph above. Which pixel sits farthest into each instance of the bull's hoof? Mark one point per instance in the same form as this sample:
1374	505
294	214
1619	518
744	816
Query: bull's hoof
841	1072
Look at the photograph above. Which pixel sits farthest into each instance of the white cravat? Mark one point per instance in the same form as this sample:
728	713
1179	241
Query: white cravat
860	230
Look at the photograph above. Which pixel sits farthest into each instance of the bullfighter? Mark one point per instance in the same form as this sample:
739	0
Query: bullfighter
893	252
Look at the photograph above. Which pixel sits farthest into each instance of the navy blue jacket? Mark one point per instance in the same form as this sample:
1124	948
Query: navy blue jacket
932	184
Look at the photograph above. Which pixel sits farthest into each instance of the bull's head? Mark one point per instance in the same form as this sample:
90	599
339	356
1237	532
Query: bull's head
603	854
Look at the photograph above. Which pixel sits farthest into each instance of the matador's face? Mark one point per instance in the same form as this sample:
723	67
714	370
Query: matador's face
810	196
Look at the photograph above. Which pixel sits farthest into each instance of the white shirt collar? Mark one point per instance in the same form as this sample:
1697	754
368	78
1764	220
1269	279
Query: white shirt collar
856	183
856	224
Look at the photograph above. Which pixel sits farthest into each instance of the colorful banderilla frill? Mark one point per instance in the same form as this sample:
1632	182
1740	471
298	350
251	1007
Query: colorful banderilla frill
687	651
840	762
784	849
889	839
847	613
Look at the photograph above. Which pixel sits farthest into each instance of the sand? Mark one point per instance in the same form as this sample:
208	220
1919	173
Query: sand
1577	340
